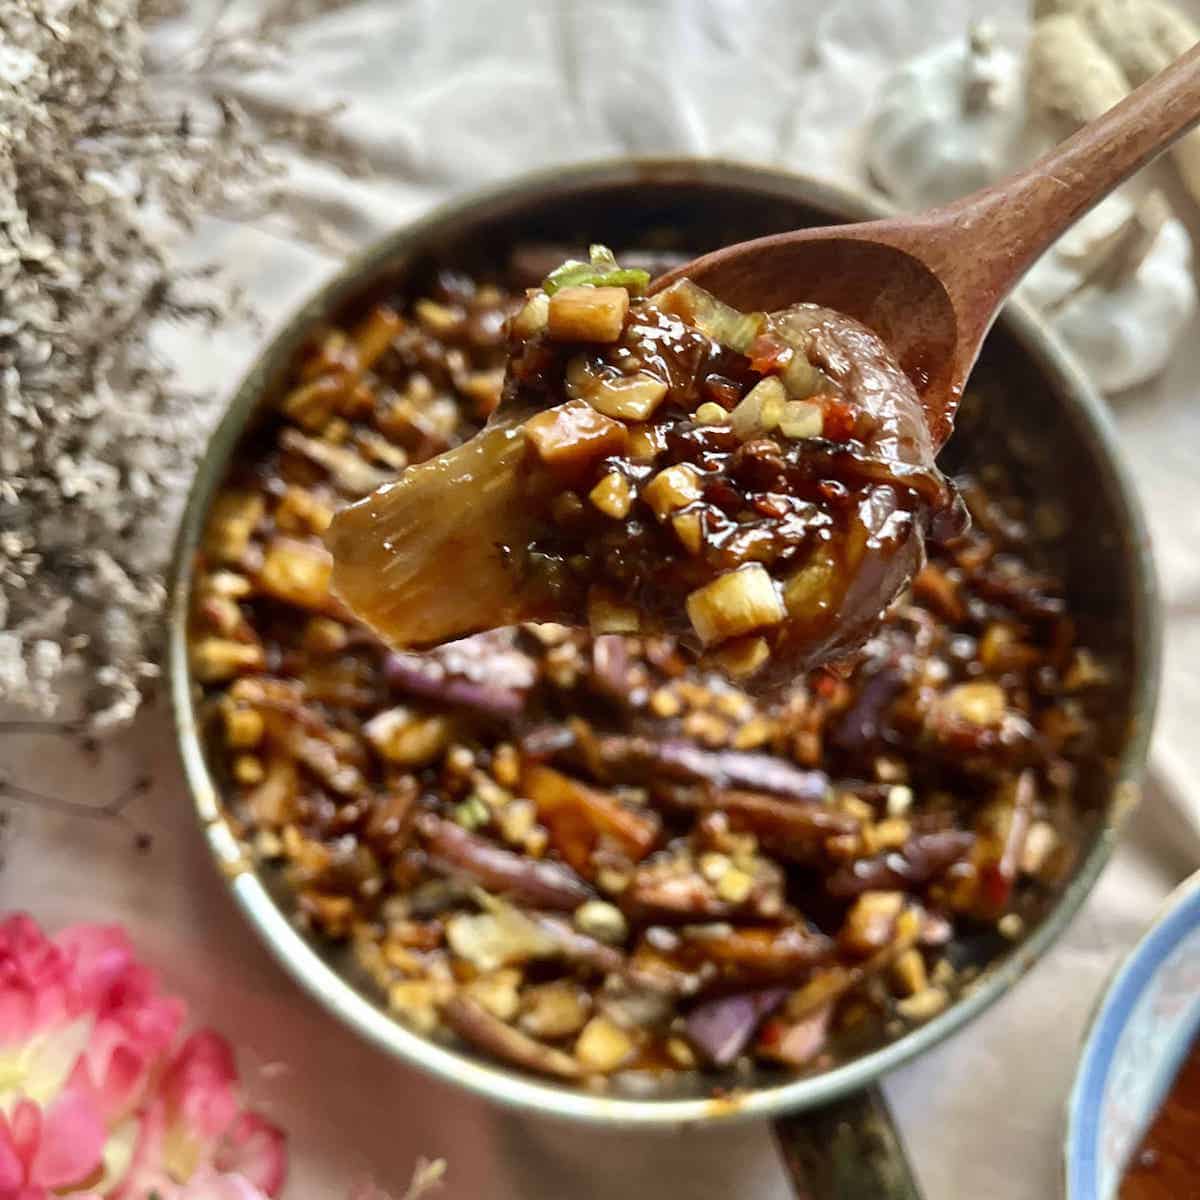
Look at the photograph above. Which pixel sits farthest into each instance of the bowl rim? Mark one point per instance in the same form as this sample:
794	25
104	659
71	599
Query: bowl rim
1175	919
493	1081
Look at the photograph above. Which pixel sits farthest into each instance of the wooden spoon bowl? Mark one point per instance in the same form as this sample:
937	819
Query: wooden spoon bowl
931	284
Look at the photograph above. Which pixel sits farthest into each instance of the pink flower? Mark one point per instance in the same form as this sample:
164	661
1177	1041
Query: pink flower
135	1024
94	1092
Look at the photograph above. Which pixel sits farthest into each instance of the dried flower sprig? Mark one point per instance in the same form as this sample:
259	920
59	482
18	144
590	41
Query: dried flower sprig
108	152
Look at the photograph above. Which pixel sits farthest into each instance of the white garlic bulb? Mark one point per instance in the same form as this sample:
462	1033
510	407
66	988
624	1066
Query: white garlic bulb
1118	289
949	121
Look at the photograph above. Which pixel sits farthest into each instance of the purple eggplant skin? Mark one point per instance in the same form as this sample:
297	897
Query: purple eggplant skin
486	673
473	1023
922	858
541	884
685	762
721	1029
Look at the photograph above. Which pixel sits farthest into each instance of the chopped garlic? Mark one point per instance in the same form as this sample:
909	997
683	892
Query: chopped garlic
587	314
628	397
739	602
603	921
613	495
801	419
760	409
672	489
603	1045
711	413
533	317
689	531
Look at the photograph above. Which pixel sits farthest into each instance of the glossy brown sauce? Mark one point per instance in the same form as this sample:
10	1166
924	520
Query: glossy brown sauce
1167	1164
765	552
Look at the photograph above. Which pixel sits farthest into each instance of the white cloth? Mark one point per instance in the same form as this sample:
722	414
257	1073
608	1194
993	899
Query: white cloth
444	96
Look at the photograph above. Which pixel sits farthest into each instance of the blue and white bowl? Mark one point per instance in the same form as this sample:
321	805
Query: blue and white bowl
1138	1040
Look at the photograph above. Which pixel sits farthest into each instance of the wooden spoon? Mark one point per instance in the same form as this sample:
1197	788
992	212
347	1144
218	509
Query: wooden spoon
423	560
931	284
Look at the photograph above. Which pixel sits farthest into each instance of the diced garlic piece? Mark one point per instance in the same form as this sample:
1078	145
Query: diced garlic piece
979	702
735	886
297	572
613	495
603	1045
681	1053
760	409
587	314
407	738
572	435
870	925
909	972
646	443
801	419
497	939
731	605
627	397
243	727
217	659
801	378
710	413
414	1001
688	530
248	769
603	921
533	317
497	992
672	489
437	318
554	1010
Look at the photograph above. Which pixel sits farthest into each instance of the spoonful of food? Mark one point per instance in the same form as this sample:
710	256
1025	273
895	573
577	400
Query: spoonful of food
741	455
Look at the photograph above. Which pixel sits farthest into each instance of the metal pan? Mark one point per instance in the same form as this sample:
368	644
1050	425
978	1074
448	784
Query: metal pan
834	1130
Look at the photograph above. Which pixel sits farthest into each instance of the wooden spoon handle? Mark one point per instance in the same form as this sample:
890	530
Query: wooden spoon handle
989	239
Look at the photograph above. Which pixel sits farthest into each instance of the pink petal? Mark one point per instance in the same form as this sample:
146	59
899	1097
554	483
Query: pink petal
126	1051
72	1142
25	1127
34	977
145	1174
18	1013
99	956
200	1086
12	1169
255	1148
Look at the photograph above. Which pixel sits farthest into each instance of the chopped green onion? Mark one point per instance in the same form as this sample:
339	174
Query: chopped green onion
472	813
601	271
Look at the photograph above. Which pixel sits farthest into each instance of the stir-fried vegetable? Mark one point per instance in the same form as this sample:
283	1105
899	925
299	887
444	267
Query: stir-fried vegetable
584	855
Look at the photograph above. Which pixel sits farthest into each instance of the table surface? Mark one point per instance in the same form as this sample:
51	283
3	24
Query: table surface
983	1113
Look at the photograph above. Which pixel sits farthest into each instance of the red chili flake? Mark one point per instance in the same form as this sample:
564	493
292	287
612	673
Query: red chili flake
768	353
833	491
840	420
825	684
996	886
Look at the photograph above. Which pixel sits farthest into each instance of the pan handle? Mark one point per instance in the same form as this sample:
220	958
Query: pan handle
847	1150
